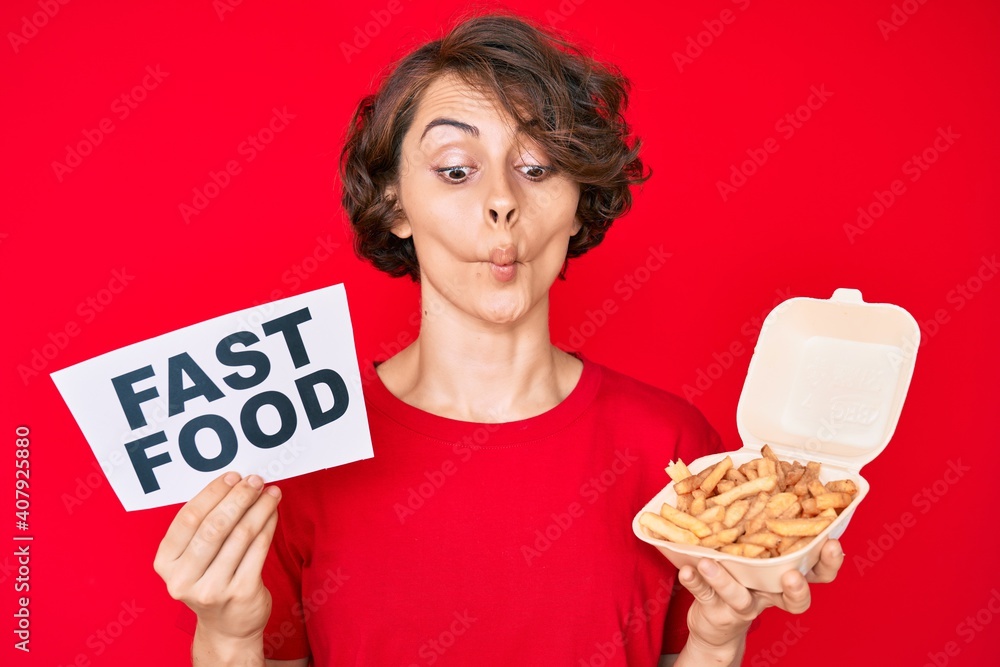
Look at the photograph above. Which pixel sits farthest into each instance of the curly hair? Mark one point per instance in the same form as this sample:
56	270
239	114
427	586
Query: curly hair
575	107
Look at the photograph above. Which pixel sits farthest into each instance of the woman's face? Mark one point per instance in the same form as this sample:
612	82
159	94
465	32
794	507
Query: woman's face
490	219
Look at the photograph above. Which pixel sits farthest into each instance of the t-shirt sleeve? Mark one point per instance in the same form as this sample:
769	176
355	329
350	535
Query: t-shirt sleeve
285	635
701	439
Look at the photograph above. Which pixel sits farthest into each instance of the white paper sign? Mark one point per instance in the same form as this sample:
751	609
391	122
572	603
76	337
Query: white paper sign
273	390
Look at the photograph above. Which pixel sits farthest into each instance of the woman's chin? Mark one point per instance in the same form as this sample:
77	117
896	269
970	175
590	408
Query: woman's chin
503	310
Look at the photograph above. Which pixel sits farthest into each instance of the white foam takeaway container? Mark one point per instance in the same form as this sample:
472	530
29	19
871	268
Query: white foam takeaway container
826	383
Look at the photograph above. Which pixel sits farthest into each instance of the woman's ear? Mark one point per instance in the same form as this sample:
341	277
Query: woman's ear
577	226
401	225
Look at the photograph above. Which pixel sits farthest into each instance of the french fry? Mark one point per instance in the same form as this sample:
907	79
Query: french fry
678	471
743	490
797	527
778	503
712	514
842	486
763	508
685	521
743	549
836	500
775	464
735	512
794	474
758	505
764	538
684	503
734	475
756	524
792	511
790	544
688	484
727	536
662	529
816	488
809	507
717	474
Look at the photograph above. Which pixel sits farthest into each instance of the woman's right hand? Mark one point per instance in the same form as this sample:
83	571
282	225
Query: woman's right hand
213	552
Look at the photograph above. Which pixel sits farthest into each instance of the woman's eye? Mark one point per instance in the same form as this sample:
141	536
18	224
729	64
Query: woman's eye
536	172
454	174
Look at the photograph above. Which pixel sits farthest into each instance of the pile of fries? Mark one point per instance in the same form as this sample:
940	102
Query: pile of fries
763	509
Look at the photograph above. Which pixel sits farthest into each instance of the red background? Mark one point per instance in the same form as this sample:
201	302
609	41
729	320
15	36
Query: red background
780	232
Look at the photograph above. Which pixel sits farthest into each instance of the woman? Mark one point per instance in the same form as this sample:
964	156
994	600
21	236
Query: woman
492	525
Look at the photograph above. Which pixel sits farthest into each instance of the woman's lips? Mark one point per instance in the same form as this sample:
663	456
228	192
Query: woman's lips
503	262
503	272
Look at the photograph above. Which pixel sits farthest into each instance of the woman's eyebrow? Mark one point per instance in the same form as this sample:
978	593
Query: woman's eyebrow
464	127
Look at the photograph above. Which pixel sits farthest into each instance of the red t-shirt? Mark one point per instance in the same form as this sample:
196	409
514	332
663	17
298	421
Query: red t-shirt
462	543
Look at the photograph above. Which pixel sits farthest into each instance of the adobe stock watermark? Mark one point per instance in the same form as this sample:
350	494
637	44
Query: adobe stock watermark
786	127
450	289
101	639
590	491
913	168
223	7
294	276
248	149
565	9
968	629
433	649
417	495
696	44
635	620
707	375
957	299
365	32
778	649
31	24
624	288
121	107
317	598
923	501
88	310
898	17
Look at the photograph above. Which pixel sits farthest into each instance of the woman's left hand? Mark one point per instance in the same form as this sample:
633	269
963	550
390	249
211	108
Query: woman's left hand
723	609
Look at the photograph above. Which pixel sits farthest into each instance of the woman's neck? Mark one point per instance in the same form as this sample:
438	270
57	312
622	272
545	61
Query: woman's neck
468	369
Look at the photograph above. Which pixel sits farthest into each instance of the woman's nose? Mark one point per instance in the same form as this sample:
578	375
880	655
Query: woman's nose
501	201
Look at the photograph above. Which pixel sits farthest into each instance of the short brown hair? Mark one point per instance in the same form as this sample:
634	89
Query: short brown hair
577	105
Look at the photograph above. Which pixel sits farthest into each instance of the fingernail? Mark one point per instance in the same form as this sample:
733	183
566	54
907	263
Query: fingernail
274	491
231	478
255	481
709	568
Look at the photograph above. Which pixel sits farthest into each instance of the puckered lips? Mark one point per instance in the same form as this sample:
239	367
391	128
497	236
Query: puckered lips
502	262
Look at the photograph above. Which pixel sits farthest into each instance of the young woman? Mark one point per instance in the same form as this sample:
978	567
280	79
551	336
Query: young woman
492	526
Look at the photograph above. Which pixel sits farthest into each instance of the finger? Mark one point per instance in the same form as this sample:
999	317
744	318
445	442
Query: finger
213	531
253	562
795	594
223	567
728	589
694	582
831	557
191	515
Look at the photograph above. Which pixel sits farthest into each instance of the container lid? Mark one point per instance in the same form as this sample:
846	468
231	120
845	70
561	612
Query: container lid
827	378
